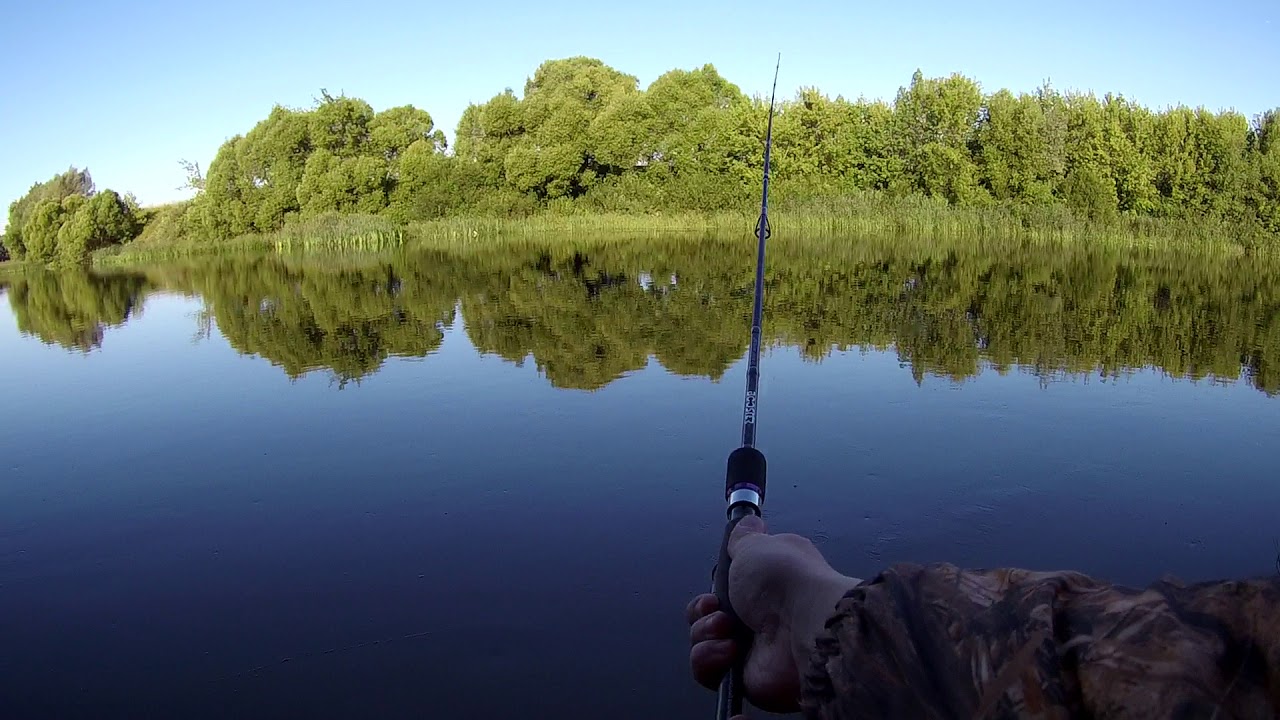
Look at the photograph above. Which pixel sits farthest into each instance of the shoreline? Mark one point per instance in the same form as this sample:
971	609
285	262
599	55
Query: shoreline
859	217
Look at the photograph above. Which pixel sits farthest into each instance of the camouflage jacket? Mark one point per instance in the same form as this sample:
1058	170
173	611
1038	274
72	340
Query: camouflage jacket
941	642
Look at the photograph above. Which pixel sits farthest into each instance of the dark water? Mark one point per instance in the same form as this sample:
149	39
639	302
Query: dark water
484	484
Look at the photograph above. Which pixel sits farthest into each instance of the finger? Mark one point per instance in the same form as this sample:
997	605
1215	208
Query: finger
711	660
747	527
701	606
715	626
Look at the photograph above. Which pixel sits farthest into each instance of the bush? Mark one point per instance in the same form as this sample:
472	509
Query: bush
1088	191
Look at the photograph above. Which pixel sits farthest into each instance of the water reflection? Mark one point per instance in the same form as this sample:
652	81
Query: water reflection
73	308
589	314
304	315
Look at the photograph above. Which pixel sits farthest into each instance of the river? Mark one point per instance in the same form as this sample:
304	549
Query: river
483	482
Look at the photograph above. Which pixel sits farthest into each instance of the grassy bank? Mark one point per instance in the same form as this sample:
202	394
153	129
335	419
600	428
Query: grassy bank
867	215
9	268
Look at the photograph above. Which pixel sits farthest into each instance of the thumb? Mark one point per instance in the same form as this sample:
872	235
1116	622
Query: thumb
747	527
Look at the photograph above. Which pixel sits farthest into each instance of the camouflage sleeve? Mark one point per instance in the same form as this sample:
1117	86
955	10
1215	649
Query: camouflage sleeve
941	642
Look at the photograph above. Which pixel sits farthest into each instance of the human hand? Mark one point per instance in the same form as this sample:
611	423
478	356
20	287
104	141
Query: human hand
783	590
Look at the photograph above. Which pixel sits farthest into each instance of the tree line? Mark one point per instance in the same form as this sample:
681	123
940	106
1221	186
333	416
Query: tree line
584	137
589	314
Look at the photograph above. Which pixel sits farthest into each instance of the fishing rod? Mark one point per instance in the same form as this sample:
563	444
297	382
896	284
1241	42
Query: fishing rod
745	475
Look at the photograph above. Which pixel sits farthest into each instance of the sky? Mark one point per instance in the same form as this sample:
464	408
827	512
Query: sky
129	88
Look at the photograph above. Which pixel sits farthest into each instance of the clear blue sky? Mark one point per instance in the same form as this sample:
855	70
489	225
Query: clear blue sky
129	88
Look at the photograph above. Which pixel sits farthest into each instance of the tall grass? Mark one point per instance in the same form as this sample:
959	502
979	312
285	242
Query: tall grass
12	268
352	232
870	214
859	215
360	233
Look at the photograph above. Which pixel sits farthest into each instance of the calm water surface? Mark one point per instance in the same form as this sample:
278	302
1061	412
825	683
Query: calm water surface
484	484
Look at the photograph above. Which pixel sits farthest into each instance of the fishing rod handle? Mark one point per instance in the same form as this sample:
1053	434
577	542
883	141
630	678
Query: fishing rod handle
732	689
744	493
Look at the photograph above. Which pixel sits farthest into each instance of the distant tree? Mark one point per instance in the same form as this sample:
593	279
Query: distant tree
1262	190
1086	189
562	151
428	184
392	131
103	220
1127	130
252	184
936	124
584	137
40	234
1013	149
343	184
683	126
342	125
1200	163
1088	184
486	133
71	182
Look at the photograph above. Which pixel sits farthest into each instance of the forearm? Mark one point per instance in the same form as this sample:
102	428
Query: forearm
811	608
935	642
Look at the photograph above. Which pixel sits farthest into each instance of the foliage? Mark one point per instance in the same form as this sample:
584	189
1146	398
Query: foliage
691	141
64	219
71	182
339	156
103	220
166	224
342	184
583	137
40	233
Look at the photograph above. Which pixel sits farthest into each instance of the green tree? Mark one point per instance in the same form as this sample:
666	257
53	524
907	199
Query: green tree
103	220
1086	189
342	125
1201	164
584	137
40	234
343	184
1013	149
393	131
559	154
486	133
71	182
428	184
1126	135
812	141
1088	185
1262	189
224	209
1221	142
682	127
936	122
252	184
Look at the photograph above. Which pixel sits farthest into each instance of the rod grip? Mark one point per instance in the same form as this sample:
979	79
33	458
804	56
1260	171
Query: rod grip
746	470
732	690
